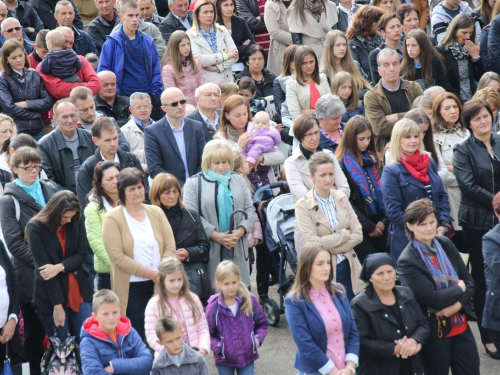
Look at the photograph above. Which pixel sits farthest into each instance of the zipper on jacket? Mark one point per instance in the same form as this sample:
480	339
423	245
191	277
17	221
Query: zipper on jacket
493	180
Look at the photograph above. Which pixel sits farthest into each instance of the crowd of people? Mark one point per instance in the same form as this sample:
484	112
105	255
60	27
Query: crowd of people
134	134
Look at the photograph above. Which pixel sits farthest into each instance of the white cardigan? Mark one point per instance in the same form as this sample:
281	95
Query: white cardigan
203	53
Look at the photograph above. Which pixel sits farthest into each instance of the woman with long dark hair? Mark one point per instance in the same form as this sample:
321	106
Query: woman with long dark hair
102	198
362	167
421	63
63	291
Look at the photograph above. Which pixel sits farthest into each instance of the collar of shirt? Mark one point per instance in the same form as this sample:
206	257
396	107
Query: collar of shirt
207	120
141	124
324	201
174	129
184	22
388	89
117	159
315	294
345	10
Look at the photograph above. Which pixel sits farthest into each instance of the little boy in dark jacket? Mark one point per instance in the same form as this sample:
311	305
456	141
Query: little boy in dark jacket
109	343
176	358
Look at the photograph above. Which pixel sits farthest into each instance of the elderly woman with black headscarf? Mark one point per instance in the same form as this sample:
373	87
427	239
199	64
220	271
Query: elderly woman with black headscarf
391	325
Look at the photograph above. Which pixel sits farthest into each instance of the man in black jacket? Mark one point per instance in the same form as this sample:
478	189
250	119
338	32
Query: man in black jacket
108	102
207	99
65	149
103	24
46	10
105	137
179	18
27	16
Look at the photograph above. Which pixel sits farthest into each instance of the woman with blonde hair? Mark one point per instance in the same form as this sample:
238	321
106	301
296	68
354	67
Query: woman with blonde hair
191	243
320	318
411	175
337	58
212	44
179	67
425	104
231	194
489	79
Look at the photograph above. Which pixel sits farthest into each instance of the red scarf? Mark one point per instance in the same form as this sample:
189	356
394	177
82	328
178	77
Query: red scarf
418	165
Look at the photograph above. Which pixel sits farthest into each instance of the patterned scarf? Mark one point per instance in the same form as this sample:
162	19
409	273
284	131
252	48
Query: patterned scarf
444	274
418	165
225	201
315	8
370	45
210	37
331	139
34	190
449	130
459	51
367	180
232	133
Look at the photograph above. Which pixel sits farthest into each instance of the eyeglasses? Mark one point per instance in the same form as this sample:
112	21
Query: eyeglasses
311	135
175	104
17	28
31	168
144	107
73	116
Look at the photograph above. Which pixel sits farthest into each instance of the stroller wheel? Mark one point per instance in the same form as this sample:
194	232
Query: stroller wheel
272	312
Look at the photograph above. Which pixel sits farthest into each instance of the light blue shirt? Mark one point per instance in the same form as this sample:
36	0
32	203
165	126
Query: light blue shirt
215	125
179	139
185	22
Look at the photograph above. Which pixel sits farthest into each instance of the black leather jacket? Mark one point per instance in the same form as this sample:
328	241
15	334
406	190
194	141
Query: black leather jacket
479	180
33	91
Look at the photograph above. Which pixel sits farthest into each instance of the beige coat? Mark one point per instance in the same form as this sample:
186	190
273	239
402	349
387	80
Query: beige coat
203	53
444	147
316	228
281	37
298	97
119	245
313	32
135	138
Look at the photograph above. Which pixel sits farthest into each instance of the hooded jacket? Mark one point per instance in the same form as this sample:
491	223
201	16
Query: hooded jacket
192	364
97	350
232	338
113	58
440	19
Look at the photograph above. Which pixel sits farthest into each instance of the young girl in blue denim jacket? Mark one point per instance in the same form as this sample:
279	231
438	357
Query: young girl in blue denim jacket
237	324
344	87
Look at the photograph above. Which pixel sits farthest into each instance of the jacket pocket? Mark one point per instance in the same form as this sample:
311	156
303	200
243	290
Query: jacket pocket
221	354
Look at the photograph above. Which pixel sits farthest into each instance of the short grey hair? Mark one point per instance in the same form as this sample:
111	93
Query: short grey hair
63	3
139	96
199	89
432	90
329	106
386	52
172	2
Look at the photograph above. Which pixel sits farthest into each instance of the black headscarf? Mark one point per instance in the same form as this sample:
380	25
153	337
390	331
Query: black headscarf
372	262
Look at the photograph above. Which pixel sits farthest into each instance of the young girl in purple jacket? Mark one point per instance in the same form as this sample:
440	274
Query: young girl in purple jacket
237	324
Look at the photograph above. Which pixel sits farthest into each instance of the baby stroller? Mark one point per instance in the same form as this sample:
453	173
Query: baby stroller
278	214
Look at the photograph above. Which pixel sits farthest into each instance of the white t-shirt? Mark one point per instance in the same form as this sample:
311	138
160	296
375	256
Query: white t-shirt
234	308
4	298
146	249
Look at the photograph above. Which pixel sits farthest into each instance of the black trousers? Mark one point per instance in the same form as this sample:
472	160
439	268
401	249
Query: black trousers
34	334
372	245
458	353
263	263
474	243
139	294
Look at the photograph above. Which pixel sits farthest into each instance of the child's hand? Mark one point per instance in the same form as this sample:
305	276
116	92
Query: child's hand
203	352
108	369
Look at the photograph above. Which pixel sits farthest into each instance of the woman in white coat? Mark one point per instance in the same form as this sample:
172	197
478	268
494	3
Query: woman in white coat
211	44
281	37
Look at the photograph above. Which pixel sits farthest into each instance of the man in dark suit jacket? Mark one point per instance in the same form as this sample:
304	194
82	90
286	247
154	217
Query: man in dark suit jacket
179	18
207	99
175	143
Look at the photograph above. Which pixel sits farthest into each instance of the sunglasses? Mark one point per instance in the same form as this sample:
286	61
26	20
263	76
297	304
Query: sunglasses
17	28
175	104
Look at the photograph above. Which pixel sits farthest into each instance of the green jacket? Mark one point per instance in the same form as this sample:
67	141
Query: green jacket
93	226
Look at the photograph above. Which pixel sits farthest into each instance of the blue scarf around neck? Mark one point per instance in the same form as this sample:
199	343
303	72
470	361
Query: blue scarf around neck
225	201
34	190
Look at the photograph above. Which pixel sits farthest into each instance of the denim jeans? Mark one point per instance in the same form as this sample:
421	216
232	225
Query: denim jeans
344	277
229	370
73	322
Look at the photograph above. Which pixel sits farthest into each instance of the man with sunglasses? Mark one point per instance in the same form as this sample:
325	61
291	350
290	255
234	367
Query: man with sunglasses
12	29
175	143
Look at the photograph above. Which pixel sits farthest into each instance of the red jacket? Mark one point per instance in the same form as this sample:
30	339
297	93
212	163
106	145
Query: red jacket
59	89
33	62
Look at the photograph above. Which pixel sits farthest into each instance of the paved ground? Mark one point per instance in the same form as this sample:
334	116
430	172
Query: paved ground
277	355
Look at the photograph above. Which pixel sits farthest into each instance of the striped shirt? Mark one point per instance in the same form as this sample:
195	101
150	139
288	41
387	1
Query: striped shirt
330	211
263	39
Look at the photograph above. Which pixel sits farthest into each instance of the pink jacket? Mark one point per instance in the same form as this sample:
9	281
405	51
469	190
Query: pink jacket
256	232
198	333
188	84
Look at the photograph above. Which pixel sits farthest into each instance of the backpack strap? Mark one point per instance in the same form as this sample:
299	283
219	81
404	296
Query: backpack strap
17	208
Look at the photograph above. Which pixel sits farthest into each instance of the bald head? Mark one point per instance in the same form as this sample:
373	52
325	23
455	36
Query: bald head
108	85
173	104
12	29
68	36
3	11
433	92
169	93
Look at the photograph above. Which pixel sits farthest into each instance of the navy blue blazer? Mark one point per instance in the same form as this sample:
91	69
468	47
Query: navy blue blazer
162	152
400	189
309	332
